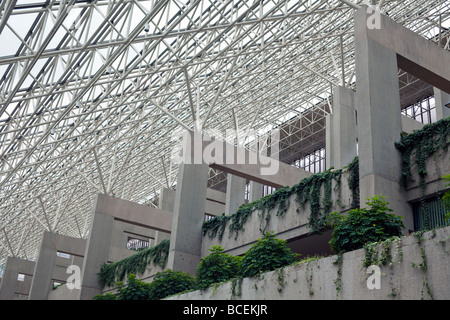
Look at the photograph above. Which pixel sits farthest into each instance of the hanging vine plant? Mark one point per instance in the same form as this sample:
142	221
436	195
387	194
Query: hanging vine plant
353	182
422	144
307	190
110	273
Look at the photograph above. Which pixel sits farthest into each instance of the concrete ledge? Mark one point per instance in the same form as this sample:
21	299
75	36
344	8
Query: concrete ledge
402	279
291	225
130	212
437	166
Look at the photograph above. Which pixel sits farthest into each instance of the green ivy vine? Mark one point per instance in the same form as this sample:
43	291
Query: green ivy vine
422	144
353	182
306	191
423	265
110	273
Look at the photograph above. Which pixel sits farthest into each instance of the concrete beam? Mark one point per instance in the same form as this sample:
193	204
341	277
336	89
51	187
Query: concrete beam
239	161
166	202
134	213
41	285
96	253
409	124
416	55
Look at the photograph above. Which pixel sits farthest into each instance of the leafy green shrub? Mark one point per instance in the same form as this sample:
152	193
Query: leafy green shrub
106	296
360	226
134	289
216	267
170	282
268	253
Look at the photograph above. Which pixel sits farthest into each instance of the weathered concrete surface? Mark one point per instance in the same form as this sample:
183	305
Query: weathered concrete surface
188	216
379	119
441	98
437	166
409	124
10	287
290	225
341	129
49	267
402	279
240	162
416	55
124	210
235	195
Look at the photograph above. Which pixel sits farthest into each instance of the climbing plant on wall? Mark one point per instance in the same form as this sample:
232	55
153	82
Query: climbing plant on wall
306	191
421	145
446	197
110	273
309	190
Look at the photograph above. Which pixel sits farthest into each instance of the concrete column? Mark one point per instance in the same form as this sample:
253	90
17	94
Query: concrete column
96	253
43	272
188	217
235	195
10	286
441	98
256	191
379	120
49	267
166	199
341	129
166	202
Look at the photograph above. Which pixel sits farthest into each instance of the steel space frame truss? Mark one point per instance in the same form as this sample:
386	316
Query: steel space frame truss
94	92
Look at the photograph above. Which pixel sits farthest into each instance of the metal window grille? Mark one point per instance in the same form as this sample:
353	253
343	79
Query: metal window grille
429	215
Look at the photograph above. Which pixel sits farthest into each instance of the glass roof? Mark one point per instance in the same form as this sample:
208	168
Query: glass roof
93	92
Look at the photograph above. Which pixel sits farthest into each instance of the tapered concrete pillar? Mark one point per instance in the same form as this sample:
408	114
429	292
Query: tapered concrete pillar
96	253
42	278
379	120
341	129
167	203
441	99
188	217
235	195
49	267
256	191
10	287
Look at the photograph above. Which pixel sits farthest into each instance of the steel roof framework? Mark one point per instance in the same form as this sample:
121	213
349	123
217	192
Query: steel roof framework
92	93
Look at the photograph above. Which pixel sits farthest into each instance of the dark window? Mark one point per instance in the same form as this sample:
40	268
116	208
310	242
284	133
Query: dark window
430	214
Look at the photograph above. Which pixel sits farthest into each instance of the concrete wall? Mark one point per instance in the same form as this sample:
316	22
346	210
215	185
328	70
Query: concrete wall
437	166
10	287
319	279
63	293
113	221
290	226
52	268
